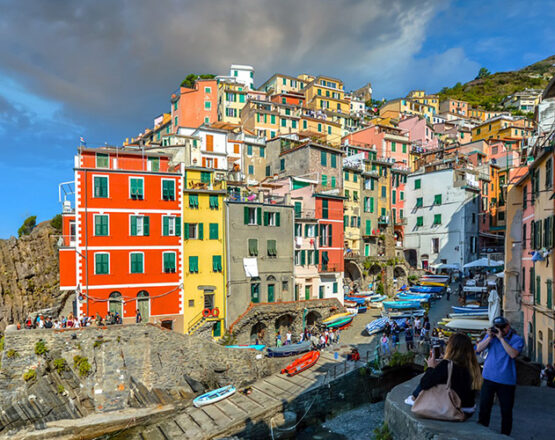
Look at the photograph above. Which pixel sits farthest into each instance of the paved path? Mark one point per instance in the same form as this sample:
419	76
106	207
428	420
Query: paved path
268	396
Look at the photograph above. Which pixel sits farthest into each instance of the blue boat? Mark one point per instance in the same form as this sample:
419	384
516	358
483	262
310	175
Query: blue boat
388	305
426	289
289	350
377	298
258	347
214	396
414	295
376	326
465	309
355	299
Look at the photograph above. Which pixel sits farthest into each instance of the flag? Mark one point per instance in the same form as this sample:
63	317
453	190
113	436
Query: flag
82	139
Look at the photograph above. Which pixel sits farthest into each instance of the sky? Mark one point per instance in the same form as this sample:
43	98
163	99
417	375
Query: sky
103	69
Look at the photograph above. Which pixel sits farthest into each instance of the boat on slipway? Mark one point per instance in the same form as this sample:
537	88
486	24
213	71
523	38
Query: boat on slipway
303	363
289	350
389	305
214	396
335	317
258	347
426	289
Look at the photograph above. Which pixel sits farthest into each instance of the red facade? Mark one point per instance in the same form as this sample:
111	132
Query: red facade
329	212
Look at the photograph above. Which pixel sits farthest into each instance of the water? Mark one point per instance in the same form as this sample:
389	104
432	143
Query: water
356	424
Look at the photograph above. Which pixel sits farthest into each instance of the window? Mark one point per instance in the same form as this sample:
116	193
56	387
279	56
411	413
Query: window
419	202
393	196
437	219
217	263
310	231
171	226
538	290
333	182
100	186
298	230
272	119
251	169
137	262
253	247
193	201
271	248
252	216
417	183
404	148
168	189
140	225
325	212
283	122
324	180
168	259
193	264
102	160
393	147
355	177
384	192
419	221
323	158
136	191
271	218
333	160
346	176
255	292
549	294
207	105
435	245
325	235
262	151
355	196
194	231
101	263
549	173
437	199
154	162
101	225
524	236
213	231
282	165
207	90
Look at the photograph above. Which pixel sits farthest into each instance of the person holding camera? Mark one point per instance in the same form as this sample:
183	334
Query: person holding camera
499	373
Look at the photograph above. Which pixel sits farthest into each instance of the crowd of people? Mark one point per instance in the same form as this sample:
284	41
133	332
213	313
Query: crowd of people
320	340
415	330
71	321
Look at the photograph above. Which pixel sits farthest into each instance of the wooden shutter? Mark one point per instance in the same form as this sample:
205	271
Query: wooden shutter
216	163
146	225
178	226
201	231
246	215
133	225
186	230
209	142
303	258
204	162
165	226
266	218
258	216
316	257
278	219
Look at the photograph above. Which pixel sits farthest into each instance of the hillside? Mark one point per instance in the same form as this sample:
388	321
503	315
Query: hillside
488	92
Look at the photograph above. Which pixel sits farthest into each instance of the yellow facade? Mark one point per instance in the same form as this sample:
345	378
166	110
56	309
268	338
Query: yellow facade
204	252
421	97
384	192
502	128
323	129
396	107
232	97
260	118
325	93
352	190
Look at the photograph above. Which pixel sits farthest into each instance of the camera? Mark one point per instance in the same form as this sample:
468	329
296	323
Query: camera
494	330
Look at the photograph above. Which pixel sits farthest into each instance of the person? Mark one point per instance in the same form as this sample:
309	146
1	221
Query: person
337	333
288	337
138	316
384	342
466	376
322	342
503	345
48	323
354	355
395	337
448	292
417	326
548	373
409	338
278	339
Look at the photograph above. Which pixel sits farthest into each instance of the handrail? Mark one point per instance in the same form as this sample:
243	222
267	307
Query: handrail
194	321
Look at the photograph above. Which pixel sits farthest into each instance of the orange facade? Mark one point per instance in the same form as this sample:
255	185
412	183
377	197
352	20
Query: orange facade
194	107
124	252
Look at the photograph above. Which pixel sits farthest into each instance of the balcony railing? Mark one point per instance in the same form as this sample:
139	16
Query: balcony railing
400	222
329	267
383	219
210	185
306	213
66	241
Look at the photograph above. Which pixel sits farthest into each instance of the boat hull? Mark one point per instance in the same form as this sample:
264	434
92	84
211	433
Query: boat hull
303	363
214	396
289	350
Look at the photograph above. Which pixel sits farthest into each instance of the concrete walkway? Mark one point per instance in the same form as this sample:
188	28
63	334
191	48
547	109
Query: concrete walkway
237	412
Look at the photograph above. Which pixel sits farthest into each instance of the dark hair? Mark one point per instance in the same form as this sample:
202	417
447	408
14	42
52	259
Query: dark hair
461	351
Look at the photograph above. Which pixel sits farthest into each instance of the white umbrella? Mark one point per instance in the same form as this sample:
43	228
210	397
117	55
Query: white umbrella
483	262
493	306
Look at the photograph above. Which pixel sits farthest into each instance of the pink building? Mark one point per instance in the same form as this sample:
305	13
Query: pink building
454	106
420	131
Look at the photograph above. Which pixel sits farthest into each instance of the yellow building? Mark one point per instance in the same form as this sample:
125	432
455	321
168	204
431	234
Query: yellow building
204	253
397	107
326	93
352	206
261	118
502	127
324	130
421	97
232	97
279	83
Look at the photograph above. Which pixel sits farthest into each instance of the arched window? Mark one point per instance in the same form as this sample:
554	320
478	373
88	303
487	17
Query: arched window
115	304
143	305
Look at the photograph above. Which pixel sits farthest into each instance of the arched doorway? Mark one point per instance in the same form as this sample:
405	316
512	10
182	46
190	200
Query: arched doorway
352	271
399	272
115	303
424	258
143	305
258	331
313	318
271	283
284	323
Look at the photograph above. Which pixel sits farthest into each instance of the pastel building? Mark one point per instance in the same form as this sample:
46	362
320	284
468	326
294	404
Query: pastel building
193	107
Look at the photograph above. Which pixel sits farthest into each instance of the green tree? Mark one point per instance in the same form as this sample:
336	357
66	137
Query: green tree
56	222
482	73
190	79
28	225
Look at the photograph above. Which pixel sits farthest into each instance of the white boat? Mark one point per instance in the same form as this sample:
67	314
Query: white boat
468	324
214	396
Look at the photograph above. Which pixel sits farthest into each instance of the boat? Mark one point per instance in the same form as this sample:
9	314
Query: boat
377	298
362	294
409	314
355	299
477	315
422	297
304	362
438	278
214	396
289	350
469	308
335	317
426	289
258	347
376	326
362	309
432	283
468	324
341	323
401	304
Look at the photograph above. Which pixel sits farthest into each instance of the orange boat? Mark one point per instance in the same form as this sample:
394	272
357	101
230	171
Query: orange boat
304	362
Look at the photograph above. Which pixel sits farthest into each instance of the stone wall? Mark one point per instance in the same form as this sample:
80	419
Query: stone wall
273	317
130	366
29	276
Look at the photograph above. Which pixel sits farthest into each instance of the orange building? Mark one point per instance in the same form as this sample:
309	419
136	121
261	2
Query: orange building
121	247
194	107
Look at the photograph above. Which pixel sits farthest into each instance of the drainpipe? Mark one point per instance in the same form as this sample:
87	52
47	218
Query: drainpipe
227	281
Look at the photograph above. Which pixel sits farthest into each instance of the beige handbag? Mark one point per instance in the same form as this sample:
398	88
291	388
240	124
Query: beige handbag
439	402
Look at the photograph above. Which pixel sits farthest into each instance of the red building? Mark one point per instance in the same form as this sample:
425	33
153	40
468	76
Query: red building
122	242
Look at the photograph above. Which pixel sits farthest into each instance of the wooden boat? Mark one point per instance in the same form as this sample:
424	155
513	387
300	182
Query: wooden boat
376	326
214	396
422	297
335	317
408	314
432	283
401	305
468	324
468	308
342	323
471	315
258	347
289	350
377	298
438	278
426	289
362	294
355	299
304	362
362	309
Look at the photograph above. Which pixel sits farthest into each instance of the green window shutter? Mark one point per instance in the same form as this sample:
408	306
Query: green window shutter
333	182
298	209
137	263
368	227
323	158
278	219
419	221
258	216
316	257
133	225
193	264
303	258
333	160
165	226
437	219
102	264
324	180
216	263
272	248
346	176
325	208
178	226
358	222
266	218
549	294
417	183
437	199
335	287
404	148
214	233
271	296
102	160
246	215
345	221
100	186
201	231
316	230
419	202
186	230
393	196
253	247
146	225
538	290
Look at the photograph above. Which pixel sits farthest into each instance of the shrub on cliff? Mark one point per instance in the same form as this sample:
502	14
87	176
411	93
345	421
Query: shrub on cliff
30	375
28	225
40	348
82	364
56	222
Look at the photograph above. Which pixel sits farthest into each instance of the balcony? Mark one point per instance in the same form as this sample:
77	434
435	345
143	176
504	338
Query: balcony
205	185
401	222
329	267
351	255
66	241
309	214
383	220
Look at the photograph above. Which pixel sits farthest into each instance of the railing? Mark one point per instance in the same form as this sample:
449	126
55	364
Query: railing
401	221
66	241
351	255
328	267
306	213
209	184
383	219
193	322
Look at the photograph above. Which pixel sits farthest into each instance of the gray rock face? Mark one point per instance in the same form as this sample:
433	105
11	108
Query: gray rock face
29	276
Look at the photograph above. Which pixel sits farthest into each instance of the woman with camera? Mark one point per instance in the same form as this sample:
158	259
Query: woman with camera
466	376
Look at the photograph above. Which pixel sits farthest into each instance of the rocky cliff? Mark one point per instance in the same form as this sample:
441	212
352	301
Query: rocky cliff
29	276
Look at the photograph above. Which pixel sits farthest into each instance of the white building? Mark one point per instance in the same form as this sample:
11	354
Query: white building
442	225
242	74
211	149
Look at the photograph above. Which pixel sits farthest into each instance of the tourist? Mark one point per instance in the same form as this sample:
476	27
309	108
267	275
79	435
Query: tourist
548	374
57	324
337	333
48	323
28	323
417	326
425	329
409	338
395	337
138	316
387	329
327	336
278	339
503	345
288	337
384	343
448	292
465	379
322	342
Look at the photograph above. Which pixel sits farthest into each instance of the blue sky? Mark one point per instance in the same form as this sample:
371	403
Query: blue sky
103	70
